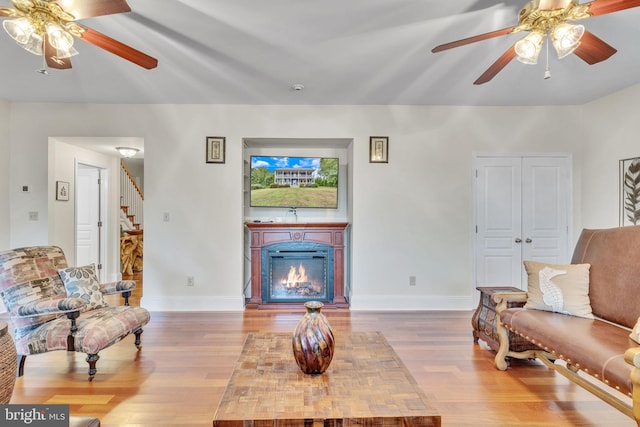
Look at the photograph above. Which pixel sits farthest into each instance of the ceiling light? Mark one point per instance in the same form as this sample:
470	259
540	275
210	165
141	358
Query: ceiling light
566	38
28	32
127	151
19	29
528	48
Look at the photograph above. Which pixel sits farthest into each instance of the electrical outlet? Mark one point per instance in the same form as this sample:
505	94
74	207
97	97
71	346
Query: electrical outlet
166	217
33	216
412	280
191	281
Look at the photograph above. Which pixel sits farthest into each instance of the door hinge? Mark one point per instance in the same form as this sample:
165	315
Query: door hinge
99	267
99	223
99	181
476	173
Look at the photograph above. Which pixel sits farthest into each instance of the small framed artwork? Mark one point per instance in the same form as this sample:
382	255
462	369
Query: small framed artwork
215	149
379	149
630	191
62	191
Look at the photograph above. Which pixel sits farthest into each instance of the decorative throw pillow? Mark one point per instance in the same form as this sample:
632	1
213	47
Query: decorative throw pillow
559	288
82	282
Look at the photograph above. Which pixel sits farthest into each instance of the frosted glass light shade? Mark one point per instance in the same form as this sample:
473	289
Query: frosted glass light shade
33	45
59	38
566	38
127	151
528	48
19	29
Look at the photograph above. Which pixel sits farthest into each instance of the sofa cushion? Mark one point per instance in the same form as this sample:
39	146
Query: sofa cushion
558	288
83	283
614	276
595	346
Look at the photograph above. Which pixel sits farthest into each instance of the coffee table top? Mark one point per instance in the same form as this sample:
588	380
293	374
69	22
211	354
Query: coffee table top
366	381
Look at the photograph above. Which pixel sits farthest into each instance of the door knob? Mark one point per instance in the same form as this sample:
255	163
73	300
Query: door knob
518	240
528	241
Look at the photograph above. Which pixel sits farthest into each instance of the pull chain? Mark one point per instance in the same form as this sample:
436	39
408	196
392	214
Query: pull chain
547	71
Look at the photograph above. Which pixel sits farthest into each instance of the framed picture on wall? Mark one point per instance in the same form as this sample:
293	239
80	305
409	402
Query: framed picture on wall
379	149
62	191
215	149
630	191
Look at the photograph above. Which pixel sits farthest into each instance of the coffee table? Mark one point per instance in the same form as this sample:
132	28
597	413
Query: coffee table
366	384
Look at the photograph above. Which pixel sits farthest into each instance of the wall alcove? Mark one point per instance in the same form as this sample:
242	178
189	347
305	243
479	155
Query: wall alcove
341	148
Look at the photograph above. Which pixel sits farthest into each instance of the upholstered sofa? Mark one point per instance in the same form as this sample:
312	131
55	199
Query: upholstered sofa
587	333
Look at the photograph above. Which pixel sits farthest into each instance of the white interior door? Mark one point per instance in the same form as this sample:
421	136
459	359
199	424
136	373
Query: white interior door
522	210
88	217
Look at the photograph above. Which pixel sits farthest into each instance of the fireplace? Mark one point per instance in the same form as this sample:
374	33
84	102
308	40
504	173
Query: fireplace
295	263
297	273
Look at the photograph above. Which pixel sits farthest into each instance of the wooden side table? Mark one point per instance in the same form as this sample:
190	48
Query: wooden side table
485	317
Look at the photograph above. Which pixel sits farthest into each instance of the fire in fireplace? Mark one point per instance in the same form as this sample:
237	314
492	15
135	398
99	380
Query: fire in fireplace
298	275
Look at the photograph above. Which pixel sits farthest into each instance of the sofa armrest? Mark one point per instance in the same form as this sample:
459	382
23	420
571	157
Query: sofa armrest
632	357
502	299
118	287
52	306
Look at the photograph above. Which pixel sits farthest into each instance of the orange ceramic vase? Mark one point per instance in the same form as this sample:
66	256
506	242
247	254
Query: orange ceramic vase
313	341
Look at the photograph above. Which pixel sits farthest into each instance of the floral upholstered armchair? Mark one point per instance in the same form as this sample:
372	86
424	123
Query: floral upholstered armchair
54	307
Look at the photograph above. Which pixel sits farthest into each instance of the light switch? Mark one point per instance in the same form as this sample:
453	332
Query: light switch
166	217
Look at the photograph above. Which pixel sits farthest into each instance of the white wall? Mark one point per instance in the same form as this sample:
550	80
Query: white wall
613	133
412	216
5	109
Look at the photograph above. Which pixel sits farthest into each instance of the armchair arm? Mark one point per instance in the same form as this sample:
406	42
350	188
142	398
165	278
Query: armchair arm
118	287
51	306
502	300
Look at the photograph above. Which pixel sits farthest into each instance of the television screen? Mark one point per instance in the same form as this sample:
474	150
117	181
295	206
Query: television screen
294	182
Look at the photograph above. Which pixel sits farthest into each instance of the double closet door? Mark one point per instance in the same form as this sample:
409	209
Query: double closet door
522	208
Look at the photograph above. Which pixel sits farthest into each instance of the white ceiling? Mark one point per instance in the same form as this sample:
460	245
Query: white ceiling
343	51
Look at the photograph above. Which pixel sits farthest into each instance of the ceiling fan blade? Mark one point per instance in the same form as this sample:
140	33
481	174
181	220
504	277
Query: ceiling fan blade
118	48
81	9
593	50
50	54
497	66
473	39
602	7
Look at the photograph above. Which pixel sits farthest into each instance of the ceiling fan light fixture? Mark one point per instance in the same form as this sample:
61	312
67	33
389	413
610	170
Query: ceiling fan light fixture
566	38
66	53
528	48
127	151
59	38
19	29
33	45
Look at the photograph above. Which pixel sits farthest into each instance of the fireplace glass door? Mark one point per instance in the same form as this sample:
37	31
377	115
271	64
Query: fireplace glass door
298	276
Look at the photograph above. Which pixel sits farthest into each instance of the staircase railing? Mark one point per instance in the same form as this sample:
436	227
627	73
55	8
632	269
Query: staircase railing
131	198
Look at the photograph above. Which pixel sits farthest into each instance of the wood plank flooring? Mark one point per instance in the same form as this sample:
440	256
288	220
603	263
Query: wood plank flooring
180	375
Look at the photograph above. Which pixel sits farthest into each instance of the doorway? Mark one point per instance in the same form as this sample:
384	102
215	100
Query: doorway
91	206
522	211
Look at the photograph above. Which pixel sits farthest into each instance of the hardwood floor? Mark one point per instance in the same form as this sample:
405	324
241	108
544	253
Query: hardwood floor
180	374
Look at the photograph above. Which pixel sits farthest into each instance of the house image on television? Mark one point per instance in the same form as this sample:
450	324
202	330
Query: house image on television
294	177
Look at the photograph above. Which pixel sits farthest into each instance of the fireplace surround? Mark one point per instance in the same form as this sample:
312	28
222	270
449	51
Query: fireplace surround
295	263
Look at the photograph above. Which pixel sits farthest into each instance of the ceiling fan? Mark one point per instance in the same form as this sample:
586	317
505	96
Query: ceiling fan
48	28
551	20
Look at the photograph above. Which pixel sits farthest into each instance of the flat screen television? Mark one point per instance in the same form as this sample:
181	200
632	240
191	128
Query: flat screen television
294	182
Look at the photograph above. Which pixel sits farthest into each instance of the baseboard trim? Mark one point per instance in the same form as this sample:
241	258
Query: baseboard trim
193	303
407	302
